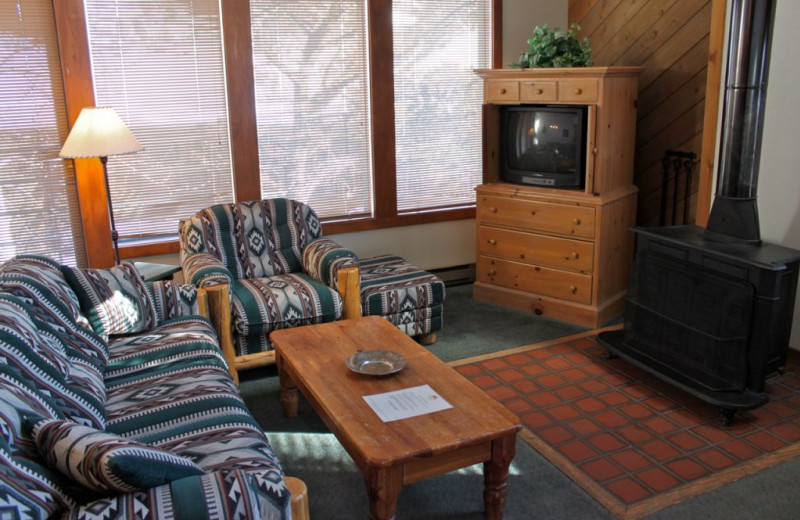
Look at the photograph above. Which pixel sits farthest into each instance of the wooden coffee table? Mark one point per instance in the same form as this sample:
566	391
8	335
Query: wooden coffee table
476	429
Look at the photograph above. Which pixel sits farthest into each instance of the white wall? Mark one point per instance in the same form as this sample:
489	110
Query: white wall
430	246
521	16
779	174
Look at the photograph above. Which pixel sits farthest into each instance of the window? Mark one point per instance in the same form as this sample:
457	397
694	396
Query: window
438	100
38	201
159	64
310	69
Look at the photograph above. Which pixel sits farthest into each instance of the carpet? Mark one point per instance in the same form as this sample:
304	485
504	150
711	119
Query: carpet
473	328
631	441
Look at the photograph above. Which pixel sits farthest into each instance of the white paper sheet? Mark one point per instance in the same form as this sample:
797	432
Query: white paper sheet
409	402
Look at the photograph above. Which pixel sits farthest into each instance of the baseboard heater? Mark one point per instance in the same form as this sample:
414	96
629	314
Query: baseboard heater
456	275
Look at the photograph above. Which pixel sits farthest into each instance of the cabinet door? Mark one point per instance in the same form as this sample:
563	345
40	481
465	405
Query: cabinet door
565	285
563	219
530	248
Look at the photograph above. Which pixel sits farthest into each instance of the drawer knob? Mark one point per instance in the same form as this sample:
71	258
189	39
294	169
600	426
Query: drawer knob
578	91
492	241
503	91
492	272
493	210
576	221
573	289
574	256
539	91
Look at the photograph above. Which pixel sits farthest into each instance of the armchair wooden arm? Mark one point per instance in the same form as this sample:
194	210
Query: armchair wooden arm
219	312
349	288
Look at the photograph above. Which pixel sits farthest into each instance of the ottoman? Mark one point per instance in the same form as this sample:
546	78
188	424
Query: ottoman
404	294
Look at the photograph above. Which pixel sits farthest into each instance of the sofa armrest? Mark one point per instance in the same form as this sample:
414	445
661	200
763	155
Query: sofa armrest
251	494
219	312
204	269
323	258
336	267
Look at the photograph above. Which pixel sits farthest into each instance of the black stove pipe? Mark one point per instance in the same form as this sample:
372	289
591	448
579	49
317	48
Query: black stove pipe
734	213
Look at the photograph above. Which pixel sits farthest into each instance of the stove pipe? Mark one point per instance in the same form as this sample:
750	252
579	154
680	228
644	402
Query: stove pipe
734	214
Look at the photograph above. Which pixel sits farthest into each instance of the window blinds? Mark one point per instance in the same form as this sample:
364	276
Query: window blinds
311	84
438	100
38	200
159	64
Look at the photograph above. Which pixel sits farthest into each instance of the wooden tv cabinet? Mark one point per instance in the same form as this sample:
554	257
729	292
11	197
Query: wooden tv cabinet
564	254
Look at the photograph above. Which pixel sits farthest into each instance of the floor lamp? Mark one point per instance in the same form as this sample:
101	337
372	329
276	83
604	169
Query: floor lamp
99	132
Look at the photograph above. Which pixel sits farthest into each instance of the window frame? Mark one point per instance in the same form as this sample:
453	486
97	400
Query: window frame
79	91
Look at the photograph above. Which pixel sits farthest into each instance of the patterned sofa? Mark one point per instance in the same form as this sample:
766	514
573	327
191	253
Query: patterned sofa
282	273
116	402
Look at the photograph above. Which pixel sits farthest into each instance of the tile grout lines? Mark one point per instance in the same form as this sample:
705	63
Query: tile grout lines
636	442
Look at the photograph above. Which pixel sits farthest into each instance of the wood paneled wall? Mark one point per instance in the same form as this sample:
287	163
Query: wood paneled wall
670	39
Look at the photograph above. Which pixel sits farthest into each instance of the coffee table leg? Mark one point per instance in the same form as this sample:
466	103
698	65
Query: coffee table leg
289	393
383	487
495	476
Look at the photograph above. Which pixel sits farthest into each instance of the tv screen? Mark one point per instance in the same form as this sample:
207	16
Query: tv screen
544	145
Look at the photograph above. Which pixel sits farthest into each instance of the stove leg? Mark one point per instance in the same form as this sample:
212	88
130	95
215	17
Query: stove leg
727	416
609	355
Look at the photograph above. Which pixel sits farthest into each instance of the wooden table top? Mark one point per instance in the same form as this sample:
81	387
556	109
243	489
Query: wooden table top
314	356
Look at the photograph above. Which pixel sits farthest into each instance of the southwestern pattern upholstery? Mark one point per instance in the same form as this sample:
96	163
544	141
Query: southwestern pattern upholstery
402	293
115	300
166	390
281	271
105	462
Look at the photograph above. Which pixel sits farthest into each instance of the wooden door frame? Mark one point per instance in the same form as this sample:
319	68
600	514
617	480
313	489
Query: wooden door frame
714	78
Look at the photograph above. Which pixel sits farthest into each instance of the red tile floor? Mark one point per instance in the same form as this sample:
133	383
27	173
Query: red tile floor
628	433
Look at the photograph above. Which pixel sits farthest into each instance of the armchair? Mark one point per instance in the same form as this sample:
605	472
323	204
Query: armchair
280	271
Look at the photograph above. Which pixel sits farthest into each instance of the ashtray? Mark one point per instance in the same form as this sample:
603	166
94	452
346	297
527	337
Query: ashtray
376	362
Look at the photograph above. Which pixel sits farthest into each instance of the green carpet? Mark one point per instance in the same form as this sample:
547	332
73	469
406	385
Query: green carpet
472	328
536	489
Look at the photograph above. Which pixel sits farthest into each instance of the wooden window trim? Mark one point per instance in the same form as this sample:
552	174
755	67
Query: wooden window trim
79	91
76	69
238	49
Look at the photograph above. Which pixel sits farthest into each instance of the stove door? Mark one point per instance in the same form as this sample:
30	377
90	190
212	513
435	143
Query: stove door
690	320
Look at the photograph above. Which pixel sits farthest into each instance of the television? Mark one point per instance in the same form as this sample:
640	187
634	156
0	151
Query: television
544	145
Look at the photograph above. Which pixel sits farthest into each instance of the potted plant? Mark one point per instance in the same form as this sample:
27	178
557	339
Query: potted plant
555	48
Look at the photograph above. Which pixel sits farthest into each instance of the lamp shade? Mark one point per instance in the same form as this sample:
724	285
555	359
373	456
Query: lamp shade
98	132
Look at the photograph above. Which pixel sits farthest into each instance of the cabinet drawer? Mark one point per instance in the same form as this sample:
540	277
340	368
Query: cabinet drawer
538	91
502	90
537	216
583	90
566	285
530	248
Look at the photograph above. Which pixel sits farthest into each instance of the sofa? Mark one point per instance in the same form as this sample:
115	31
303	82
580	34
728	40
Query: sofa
281	270
116	402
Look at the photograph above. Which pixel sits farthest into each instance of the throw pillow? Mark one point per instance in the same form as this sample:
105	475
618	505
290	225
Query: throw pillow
115	300
173	300
106	462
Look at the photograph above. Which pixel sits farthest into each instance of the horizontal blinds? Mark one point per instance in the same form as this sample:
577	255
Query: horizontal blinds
159	64
38	199
438	98
310	68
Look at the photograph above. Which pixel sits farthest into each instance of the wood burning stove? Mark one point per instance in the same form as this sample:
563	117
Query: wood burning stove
710	310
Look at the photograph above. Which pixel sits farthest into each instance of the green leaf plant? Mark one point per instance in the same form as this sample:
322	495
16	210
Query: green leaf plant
555	48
